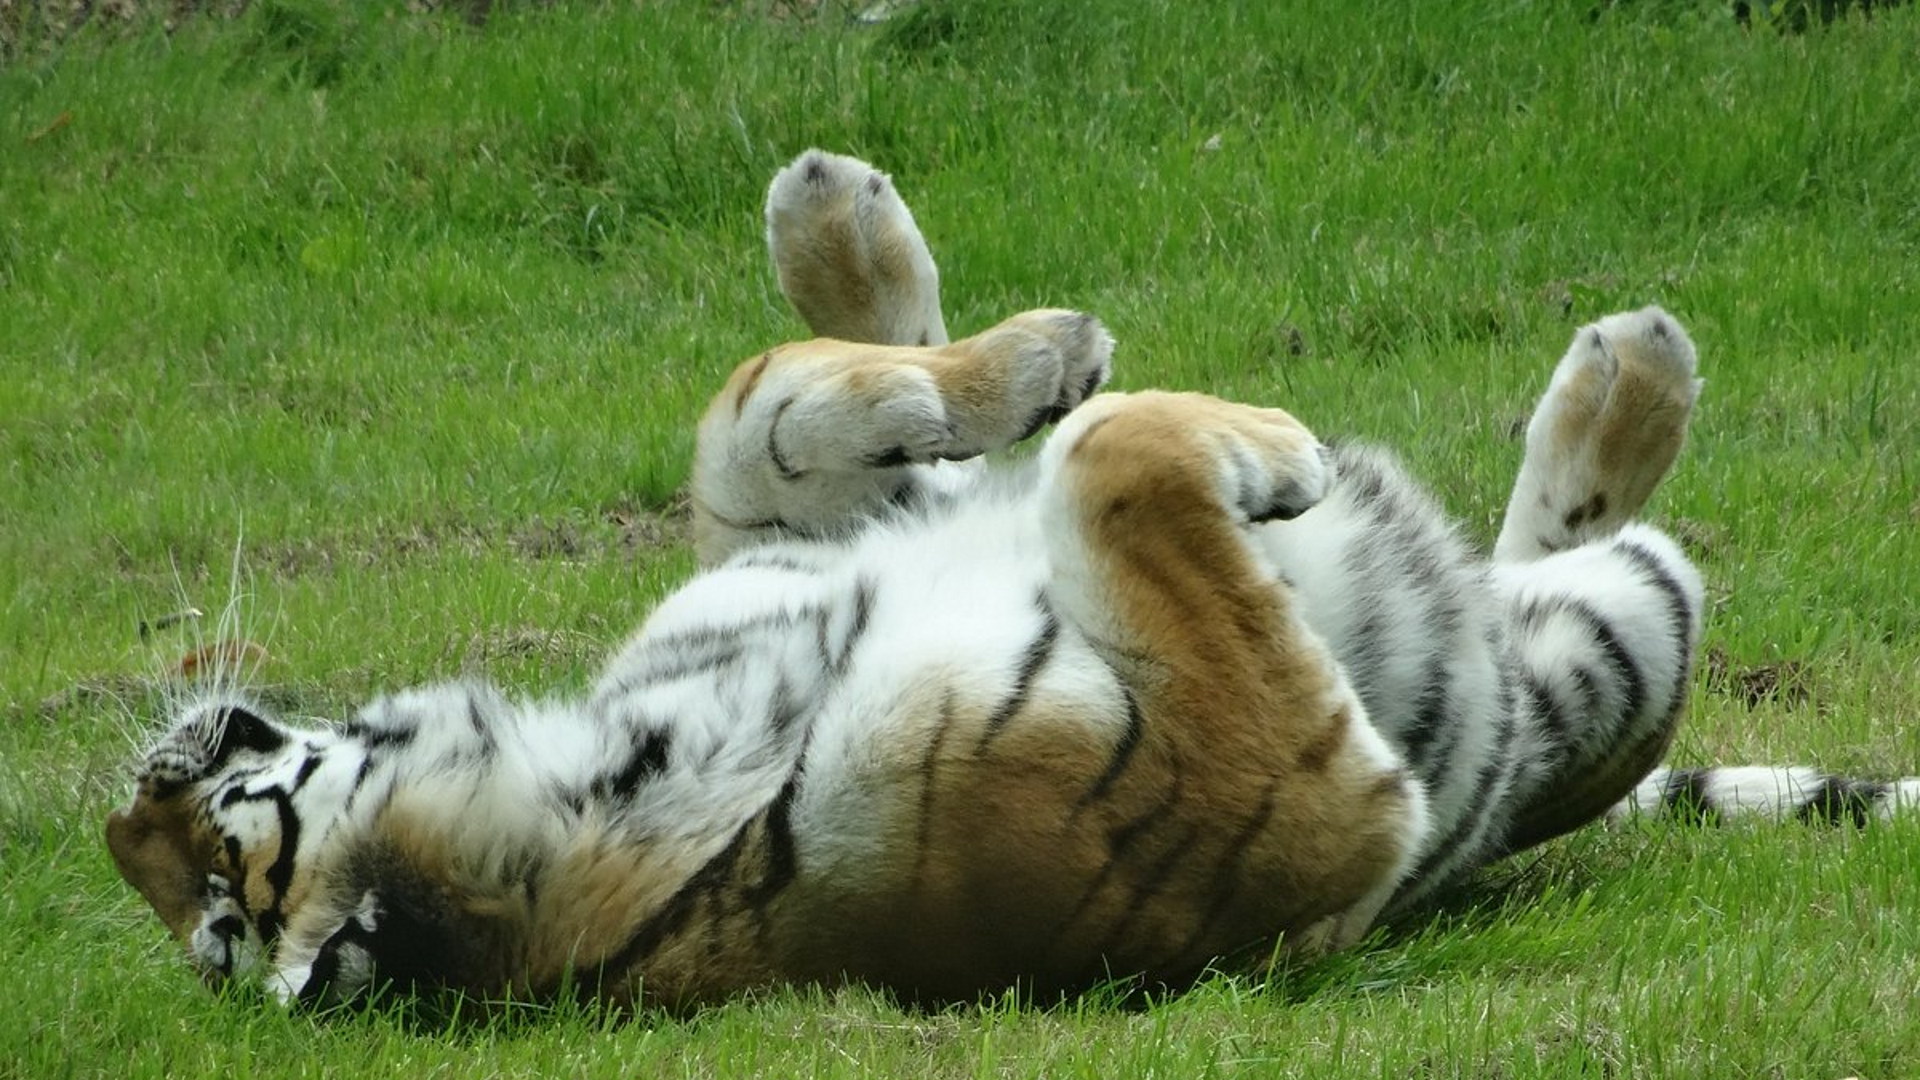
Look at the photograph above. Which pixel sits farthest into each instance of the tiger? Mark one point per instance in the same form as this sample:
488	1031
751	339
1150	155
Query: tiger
1185	689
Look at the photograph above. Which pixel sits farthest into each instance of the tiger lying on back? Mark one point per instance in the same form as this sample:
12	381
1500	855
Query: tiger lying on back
1188	684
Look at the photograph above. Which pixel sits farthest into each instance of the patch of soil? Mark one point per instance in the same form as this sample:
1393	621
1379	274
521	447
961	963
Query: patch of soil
1784	681
621	531
528	642
1701	539
643	531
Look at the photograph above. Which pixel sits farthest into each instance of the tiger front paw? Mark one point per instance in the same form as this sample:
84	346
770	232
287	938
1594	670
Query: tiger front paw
849	256
1009	382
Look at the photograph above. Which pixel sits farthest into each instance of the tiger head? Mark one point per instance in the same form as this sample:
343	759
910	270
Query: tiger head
225	809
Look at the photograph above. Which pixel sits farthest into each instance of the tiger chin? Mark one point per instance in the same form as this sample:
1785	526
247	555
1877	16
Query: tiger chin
1186	684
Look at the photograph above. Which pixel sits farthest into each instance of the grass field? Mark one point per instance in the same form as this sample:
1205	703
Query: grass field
410	319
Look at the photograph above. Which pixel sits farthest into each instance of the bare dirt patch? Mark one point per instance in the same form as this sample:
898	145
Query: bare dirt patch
557	647
1786	682
626	532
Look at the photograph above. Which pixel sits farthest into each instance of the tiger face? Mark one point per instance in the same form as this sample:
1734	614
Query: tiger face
225	807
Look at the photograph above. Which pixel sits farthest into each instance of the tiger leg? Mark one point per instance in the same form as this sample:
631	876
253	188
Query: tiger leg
1604	615
1245	723
813	437
1603	436
850	259
1605	635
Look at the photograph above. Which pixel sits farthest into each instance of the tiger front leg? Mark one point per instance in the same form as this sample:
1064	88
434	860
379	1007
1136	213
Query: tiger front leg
812	438
1149	502
849	256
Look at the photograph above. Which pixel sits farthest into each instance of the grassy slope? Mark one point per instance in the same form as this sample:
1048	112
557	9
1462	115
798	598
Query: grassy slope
417	319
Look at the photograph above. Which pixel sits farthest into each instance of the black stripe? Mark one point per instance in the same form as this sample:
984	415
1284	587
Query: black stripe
1122	752
765	560
1034	659
326	963
307	769
787	472
1122	837
837	655
1553	718
1586	511
1120	841
690	655
279	875
1839	800
671	917
783	861
929	776
687	653
680	656
481	728
1361	476
370	735
1680	615
1041	417
1429	712
1368	653
1684	798
359	780
239	730
750	524
785	708
228	925
227	928
162	788
862	618
891	458
708	882
1491	778
1147	886
822	630
1589	684
1226	875
1633	686
715	938
1440	763
1681	607
234	859
647	760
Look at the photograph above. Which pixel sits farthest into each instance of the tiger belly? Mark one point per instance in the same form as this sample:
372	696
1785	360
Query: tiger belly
983	802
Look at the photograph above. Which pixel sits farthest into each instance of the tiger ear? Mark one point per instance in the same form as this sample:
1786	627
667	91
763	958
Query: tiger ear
242	729
153	847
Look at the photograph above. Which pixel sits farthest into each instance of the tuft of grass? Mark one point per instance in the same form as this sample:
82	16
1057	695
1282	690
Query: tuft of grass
417	315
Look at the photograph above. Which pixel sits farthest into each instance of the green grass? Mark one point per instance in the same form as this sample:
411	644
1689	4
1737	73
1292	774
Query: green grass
416	318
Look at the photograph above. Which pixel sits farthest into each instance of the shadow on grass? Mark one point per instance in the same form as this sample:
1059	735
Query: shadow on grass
1438	942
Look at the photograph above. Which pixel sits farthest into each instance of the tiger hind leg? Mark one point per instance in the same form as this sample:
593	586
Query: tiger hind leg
1249	738
1604	615
1604	636
1607	430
